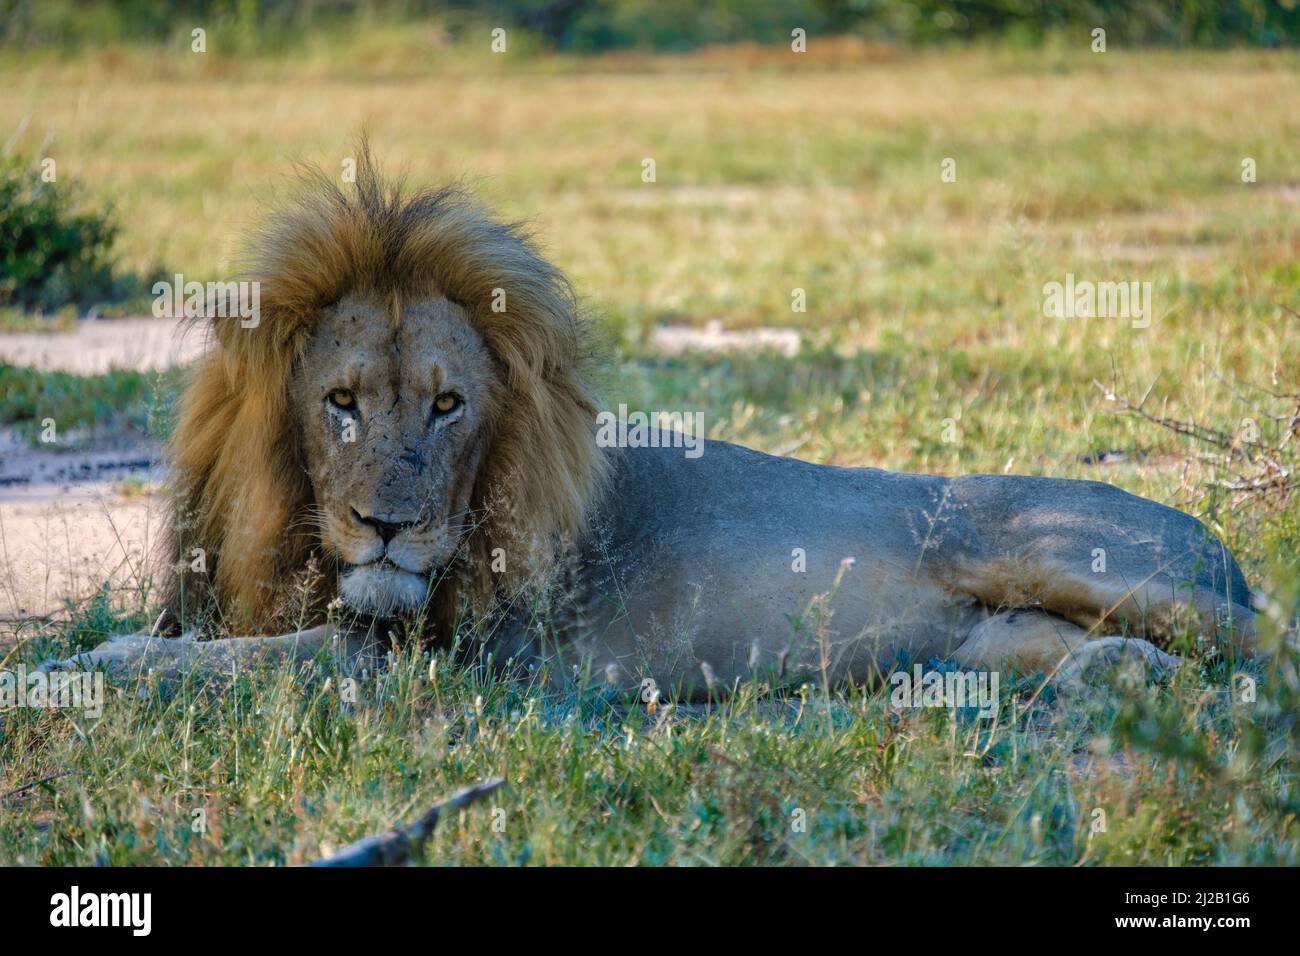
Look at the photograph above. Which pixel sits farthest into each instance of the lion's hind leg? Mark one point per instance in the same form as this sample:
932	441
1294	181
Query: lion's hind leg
1032	641
1150	604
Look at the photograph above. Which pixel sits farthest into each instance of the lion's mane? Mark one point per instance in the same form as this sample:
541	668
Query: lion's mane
238	476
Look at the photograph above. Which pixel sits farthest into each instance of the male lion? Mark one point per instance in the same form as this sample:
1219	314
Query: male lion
413	417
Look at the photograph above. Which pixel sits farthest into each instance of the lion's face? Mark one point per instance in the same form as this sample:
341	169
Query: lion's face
393	416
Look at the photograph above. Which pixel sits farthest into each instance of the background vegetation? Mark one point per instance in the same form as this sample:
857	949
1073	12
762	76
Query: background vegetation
56	251
597	25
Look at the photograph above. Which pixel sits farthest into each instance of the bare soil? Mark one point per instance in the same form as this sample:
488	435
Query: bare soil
74	518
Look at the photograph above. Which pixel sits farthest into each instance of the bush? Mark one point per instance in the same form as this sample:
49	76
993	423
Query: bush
54	250
594	25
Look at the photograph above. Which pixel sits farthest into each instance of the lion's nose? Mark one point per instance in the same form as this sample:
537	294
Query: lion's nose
387	527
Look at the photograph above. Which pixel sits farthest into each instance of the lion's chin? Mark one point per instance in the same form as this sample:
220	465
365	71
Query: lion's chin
382	589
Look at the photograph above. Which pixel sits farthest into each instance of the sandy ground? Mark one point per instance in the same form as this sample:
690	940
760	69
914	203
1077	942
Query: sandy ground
671	339
96	346
71	520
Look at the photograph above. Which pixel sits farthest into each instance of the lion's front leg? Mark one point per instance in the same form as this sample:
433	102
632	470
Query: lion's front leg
127	655
137	655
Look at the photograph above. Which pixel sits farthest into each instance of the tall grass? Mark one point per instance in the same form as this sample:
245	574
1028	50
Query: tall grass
274	768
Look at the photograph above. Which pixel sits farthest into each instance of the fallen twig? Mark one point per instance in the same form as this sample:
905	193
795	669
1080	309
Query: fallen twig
396	846
36	783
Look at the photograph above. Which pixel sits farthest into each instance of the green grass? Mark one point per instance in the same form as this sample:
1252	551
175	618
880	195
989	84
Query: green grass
122	400
283	769
924	306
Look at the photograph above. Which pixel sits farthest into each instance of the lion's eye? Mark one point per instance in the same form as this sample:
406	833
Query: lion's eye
342	398
445	403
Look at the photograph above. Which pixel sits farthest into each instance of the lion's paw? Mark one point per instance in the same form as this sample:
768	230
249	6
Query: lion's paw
1134	659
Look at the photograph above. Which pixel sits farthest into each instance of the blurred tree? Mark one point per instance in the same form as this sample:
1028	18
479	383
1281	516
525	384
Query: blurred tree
593	25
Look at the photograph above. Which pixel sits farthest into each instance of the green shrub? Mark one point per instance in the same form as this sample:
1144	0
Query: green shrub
55	250
269	26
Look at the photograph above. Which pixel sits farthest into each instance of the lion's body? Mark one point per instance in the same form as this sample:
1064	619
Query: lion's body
719	560
413	418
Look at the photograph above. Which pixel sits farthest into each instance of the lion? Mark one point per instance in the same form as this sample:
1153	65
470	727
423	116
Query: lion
406	441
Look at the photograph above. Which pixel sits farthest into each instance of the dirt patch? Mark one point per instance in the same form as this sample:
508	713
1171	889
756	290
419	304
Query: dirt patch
674	339
72	520
30	473
96	346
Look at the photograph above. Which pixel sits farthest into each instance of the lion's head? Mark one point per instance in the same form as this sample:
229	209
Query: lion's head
414	397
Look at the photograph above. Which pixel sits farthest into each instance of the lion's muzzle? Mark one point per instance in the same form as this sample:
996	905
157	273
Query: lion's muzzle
382	589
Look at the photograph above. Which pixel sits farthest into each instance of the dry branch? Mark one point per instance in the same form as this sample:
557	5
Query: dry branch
396	846
37	783
1254	469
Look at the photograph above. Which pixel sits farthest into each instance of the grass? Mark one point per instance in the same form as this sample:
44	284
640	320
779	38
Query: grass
122	400
924	311
269	769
